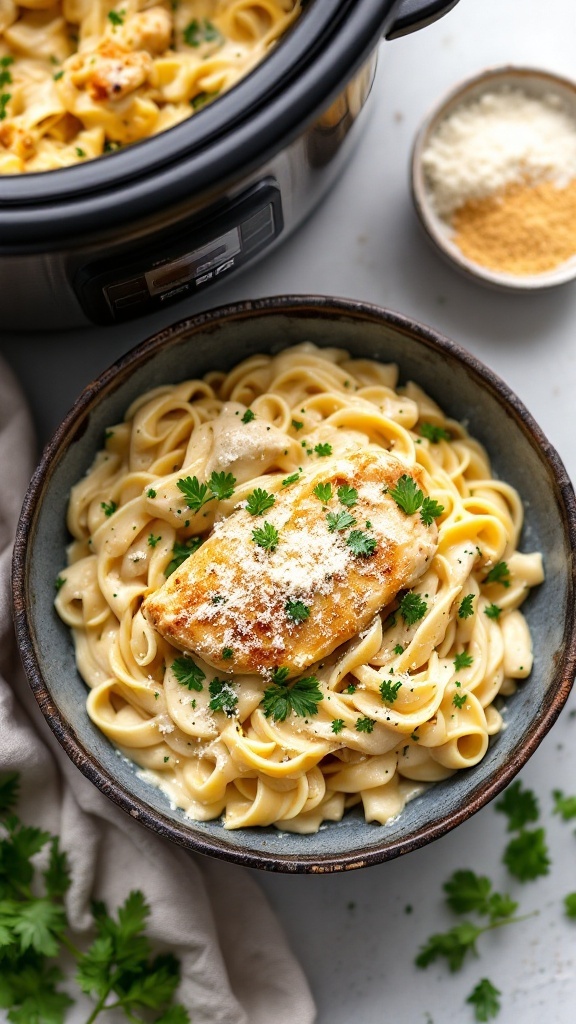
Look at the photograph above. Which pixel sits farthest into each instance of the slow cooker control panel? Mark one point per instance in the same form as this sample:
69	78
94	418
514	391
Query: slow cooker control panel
176	267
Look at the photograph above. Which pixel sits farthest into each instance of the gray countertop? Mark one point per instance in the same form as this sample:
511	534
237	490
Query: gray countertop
353	933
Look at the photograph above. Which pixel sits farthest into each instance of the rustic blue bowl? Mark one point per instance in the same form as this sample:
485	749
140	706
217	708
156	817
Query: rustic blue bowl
466	390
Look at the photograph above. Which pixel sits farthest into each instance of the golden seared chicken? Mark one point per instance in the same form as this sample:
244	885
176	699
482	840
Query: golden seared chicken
286	585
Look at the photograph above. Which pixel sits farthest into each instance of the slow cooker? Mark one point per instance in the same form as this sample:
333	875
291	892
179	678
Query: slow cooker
134	231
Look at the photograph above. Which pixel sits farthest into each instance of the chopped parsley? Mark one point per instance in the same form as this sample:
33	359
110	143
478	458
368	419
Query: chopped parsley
58	75
466	610
519	805
109	507
116	18
339	521
180	553
297	611
365	724
459	700
297	424
430	511
323	449
499	573
223	697
410	498
266	536
337	725
493	611
565	806
323	492
570	905
248	416
301	698
153	541
347	495
80	153
412	608
361	543
188	673
389	690
196	494
292	479
258	501
201	31
218	599
222	485
59	583
434	433
398	649
197	102
227	653
5	98
150	493
407	494
485	998
462	660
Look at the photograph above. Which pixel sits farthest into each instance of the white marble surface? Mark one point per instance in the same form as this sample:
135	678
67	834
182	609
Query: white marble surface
352	933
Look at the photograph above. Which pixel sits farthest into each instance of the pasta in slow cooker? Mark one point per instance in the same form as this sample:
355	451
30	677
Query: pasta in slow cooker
79	78
269	630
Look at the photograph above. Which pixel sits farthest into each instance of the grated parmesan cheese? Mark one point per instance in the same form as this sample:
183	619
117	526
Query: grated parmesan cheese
504	137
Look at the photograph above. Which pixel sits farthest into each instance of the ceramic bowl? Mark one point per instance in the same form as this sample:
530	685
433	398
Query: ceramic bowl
535	83
467	390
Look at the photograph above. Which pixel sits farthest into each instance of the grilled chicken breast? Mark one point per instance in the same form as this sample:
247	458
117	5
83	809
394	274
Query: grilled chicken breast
285	587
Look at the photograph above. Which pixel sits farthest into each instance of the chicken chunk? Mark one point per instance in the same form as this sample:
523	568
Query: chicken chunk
285	587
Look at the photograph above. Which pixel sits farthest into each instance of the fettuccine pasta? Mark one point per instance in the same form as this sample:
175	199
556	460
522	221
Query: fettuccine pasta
256	699
79	78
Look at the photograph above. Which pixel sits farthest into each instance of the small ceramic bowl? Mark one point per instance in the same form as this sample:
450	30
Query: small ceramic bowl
534	83
467	390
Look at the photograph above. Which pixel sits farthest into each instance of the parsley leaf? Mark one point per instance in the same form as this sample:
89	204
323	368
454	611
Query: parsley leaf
266	536
258	501
466	610
116	18
292	479
222	485
389	690
466	891
196	494
462	660
109	507
248	416
493	611
565	806
459	700
347	495
201	31
280	675
434	433
361	543
412	608
407	494
297	611
526	856
302	698
365	724
430	511
570	904
499	573
338	725
519	805
323	449
453	945
181	551
297	424
224	697
323	492
9	785
339	521
188	673
485	1000
154	540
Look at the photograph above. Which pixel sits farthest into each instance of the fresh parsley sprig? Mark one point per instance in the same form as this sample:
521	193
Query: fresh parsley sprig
259	501
301	697
266	536
188	673
220	486
412	608
339	521
181	551
485	998
410	498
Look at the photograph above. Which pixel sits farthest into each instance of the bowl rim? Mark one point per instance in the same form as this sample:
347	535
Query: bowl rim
430	222
72	427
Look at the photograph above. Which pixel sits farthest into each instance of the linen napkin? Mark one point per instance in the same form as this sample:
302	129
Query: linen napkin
235	961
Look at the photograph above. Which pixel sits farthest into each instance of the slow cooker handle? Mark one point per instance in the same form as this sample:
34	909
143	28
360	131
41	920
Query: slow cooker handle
414	14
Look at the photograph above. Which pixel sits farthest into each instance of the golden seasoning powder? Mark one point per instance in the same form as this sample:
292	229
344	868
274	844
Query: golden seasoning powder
525	229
